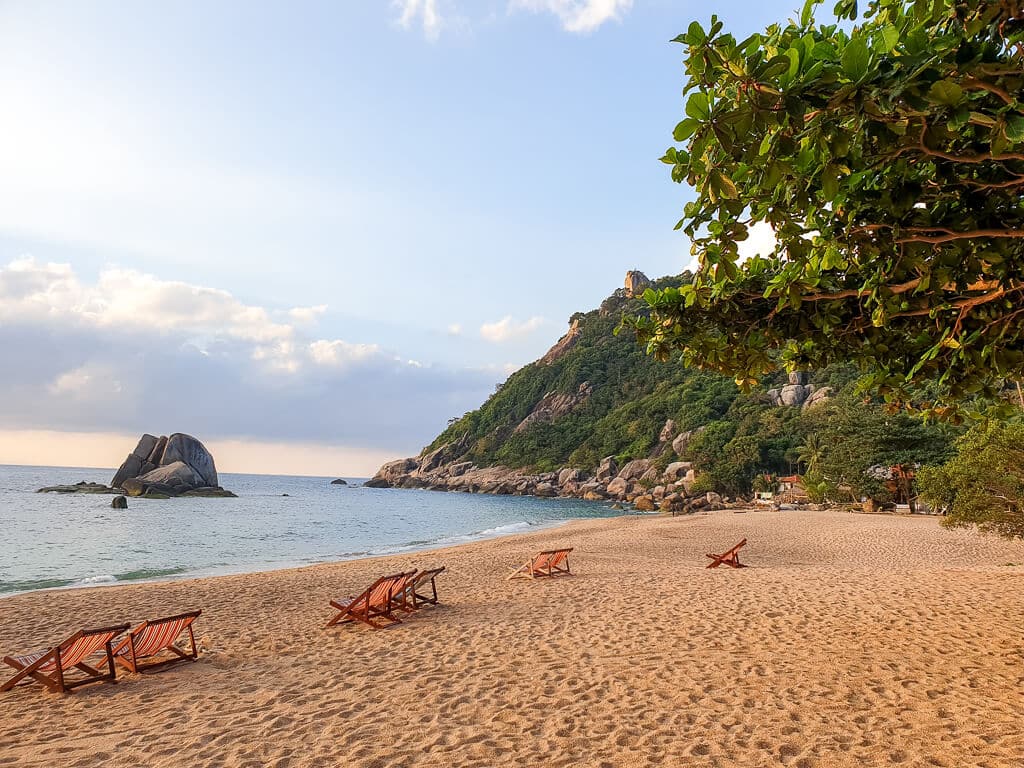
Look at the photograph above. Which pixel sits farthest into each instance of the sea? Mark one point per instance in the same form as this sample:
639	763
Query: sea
51	540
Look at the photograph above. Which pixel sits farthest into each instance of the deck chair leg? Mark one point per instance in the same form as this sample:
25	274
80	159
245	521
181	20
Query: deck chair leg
60	675
192	639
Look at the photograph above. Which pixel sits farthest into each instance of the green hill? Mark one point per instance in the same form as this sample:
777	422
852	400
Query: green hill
597	395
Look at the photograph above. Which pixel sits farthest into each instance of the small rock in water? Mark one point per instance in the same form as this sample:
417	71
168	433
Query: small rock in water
119	502
339	481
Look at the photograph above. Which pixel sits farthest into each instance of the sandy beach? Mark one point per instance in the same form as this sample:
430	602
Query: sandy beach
852	640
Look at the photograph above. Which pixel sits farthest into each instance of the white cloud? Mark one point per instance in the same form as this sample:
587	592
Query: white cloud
455	329
87	382
507	328
146	354
339	353
422	12
307	315
577	15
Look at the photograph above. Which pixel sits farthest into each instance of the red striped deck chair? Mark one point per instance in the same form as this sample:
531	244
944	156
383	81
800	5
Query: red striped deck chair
415	594
401	596
372	604
50	666
553	562
730	557
154	637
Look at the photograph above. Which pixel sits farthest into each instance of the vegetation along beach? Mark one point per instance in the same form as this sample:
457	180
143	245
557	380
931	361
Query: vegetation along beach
332	434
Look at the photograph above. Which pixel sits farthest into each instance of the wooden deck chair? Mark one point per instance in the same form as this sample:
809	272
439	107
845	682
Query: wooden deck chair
371	604
730	558
400	593
153	637
49	666
553	562
412	595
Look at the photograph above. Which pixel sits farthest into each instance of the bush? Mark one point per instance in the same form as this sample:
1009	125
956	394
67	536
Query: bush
983	484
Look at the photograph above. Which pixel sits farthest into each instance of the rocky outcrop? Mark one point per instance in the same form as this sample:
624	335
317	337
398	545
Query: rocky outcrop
553	406
80	487
173	465
817	397
636	283
564	344
339	481
641	482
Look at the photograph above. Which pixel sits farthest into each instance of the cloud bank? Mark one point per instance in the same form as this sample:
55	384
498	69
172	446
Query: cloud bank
129	352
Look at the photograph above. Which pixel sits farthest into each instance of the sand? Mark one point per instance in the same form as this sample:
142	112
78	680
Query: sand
852	640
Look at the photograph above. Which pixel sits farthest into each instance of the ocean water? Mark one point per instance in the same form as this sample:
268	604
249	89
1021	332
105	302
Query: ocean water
52	540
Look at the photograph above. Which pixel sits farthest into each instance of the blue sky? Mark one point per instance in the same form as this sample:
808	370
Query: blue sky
371	209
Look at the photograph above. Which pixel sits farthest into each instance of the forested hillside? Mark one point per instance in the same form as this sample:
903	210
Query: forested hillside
597	394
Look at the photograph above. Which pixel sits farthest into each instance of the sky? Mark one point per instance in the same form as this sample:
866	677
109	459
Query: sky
310	233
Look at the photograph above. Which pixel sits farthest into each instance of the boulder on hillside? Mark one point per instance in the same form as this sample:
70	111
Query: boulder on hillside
607	469
676	471
635	469
668	432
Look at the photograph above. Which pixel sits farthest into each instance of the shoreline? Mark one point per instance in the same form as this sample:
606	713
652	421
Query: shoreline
851	640
105	581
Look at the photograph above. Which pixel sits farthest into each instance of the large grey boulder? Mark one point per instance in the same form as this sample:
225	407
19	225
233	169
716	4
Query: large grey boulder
635	469
188	450
607	469
676	470
794	394
668	431
166	465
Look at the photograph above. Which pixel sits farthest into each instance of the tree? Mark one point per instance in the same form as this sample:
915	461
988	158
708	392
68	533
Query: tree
888	159
983	484
860	444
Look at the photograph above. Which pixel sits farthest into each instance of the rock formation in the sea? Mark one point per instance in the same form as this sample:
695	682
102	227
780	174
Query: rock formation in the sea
119	502
339	481
175	465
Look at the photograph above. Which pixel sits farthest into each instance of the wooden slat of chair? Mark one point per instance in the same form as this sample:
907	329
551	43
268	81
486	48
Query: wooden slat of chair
70	654
424	577
547	563
730	558
400	597
372	603
155	636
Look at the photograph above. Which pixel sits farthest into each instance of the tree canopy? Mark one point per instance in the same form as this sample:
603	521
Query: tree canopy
887	154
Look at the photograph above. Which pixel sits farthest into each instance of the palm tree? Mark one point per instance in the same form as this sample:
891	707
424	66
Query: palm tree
811	452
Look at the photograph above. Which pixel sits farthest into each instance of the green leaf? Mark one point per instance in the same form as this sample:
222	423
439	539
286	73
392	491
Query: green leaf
807	15
856	59
888	37
698	106
685	129
946	92
723	185
1014	128
695	34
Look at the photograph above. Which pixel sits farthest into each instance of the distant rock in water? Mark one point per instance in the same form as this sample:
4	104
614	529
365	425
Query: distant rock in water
119	502
339	481
80	487
158	468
